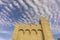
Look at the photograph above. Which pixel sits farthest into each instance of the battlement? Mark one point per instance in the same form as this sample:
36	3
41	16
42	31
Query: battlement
40	31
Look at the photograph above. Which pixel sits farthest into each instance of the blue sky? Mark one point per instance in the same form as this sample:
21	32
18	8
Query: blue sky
25	11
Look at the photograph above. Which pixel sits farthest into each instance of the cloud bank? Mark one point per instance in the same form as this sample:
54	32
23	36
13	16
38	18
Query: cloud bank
25	11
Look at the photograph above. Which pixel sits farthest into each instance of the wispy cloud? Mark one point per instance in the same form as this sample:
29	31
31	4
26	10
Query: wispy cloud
5	32
2	38
56	29
29	11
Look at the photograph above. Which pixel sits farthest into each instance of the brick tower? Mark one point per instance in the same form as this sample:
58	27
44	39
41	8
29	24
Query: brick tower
40	31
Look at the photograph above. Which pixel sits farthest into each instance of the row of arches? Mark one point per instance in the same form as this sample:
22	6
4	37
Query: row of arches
27	34
30	31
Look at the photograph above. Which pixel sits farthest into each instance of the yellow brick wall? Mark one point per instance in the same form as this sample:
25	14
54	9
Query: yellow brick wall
32	31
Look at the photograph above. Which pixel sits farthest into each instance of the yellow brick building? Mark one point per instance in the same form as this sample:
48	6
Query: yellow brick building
40	31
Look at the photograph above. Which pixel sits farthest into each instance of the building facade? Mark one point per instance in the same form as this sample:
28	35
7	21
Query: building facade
39	31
